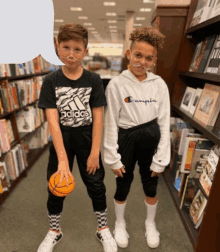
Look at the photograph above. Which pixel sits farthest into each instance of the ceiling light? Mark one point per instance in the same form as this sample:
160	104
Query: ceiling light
75	8
113	30
112	21
87	24
140	18
109	3
82	17
137	24
59	20
148	1
112	27
91	28
145	9
111	14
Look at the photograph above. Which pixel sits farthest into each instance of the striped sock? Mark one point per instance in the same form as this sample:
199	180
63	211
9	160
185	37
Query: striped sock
102	218
54	220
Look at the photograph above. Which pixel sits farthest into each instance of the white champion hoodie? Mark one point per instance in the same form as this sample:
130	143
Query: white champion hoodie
131	103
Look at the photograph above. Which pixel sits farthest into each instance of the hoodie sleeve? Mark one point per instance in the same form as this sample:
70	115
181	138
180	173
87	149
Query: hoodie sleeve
110	130
162	157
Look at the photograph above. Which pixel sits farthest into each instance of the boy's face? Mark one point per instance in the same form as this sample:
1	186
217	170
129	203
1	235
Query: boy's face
71	53
142	56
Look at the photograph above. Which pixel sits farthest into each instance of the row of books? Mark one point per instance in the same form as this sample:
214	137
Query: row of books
206	58
13	164
16	94
15	161
203	104
37	65
27	120
205	10
195	159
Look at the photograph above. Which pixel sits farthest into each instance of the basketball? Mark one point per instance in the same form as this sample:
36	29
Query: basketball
63	189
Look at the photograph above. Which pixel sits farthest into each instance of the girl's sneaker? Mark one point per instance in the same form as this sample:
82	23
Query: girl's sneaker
152	235
51	239
108	242
121	235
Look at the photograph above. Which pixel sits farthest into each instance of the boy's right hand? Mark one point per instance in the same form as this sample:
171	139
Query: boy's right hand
64	171
119	172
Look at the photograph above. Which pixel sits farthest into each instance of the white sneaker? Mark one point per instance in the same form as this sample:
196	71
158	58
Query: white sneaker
152	235
108	242
121	235
51	239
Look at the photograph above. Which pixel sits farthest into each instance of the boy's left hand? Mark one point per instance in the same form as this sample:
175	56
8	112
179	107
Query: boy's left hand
154	174
92	164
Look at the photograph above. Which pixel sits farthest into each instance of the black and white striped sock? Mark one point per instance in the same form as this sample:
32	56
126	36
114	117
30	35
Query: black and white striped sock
102	218
54	220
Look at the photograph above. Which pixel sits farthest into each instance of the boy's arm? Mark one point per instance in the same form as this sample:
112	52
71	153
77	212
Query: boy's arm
57	138
162	157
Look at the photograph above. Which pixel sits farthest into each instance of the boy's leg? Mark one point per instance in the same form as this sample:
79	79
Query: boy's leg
149	140
96	189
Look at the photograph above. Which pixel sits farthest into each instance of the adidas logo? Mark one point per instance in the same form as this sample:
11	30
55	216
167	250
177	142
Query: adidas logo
75	109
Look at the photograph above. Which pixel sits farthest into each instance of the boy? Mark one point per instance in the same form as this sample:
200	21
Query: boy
138	105
74	98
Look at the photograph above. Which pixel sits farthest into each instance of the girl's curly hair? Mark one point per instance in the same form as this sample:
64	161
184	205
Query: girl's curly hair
148	34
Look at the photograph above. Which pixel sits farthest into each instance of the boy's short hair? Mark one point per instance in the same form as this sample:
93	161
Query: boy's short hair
148	34
73	32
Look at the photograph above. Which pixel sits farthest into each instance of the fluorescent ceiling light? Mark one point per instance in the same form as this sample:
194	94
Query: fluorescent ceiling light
112	27
112	21
137	24
59	20
140	18
87	24
82	17
148	1
145	9
111	14
91	28
75	8
94	32
109	3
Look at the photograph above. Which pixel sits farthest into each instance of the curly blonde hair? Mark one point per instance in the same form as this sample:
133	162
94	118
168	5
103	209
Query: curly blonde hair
148	34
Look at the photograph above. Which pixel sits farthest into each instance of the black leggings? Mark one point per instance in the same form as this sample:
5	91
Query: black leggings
78	141
138	144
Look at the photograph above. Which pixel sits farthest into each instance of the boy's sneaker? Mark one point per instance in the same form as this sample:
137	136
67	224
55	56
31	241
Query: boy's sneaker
152	235
51	239
121	235
108	242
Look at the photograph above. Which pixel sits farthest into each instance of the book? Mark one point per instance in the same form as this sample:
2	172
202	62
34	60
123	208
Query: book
206	53
184	134
205	182
5	182
187	98
8	159
3	72
10	131
197	207
202	12
216	9
213	63
195	101
209	97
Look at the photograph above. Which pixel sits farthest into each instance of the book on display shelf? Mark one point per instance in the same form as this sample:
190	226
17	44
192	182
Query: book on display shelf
187	98
195	101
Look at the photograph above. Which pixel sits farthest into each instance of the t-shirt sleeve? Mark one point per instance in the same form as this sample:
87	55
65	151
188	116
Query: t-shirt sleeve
47	97
98	98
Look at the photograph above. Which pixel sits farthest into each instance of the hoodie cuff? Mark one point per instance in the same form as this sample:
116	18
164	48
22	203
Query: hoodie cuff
117	165
157	168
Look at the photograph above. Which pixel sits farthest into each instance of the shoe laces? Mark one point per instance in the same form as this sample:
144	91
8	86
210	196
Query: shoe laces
106	235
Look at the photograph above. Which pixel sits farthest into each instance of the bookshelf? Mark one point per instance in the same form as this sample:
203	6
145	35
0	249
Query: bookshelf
33	154
206	237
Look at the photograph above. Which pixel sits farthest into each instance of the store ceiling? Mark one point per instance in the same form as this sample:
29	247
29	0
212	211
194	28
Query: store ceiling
96	11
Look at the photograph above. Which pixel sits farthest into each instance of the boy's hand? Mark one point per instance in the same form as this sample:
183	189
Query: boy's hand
92	164
64	171
119	172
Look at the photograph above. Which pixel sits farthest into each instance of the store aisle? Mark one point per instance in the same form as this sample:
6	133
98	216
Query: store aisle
24	223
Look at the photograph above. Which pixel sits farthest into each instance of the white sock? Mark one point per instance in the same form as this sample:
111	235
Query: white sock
151	212
119	212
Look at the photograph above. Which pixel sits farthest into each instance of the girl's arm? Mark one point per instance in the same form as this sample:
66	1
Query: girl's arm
57	138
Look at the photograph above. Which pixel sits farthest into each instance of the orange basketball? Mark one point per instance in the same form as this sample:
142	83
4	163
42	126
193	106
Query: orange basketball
63	189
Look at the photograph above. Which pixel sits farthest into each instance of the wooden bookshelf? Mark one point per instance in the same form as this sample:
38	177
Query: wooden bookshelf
22	77
210	78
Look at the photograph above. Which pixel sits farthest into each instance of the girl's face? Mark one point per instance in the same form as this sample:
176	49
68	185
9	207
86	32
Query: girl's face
142	56
71	53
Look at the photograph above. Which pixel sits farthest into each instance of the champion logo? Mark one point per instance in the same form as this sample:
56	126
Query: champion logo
130	99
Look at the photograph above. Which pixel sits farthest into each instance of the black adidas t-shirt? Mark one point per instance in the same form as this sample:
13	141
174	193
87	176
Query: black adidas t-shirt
73	98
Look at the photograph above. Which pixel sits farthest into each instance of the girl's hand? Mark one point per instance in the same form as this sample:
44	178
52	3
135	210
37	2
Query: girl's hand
92	164
154	174
119	172
64	171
